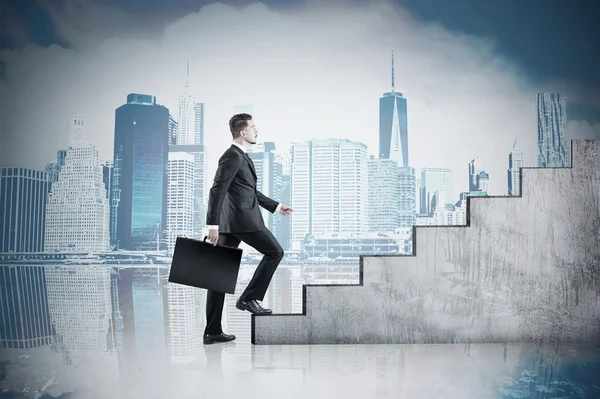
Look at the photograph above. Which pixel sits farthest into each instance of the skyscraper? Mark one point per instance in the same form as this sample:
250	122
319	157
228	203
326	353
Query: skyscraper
384	191
473	171
107	173
329	188
180	199
173	126
393	127
483	181
433	180
478	179
139	194
553	149
407	200
190	139
515	163
301	191
77	215
283	225
186	119
53	168
23	196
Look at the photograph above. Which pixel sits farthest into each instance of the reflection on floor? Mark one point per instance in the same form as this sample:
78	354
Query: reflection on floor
240	370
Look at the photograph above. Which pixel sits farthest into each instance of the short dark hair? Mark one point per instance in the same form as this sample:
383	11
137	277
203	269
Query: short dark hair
237	123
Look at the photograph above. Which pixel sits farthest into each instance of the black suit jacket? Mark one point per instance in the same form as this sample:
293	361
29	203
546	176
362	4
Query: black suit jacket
233	201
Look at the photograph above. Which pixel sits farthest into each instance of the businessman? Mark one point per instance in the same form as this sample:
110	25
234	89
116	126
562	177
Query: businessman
233	216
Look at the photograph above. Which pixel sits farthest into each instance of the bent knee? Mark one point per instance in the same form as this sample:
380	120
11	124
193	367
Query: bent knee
278	253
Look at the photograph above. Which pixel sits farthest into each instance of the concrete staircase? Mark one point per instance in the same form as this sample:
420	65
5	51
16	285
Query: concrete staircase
524	269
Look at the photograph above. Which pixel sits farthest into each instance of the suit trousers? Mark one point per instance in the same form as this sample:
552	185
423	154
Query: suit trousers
265	243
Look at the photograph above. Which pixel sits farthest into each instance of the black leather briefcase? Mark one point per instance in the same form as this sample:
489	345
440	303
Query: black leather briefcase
203	265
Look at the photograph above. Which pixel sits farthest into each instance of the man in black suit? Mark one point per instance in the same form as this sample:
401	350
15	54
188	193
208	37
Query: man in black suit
233	216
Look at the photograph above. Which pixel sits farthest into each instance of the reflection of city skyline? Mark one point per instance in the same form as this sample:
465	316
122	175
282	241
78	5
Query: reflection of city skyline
122	307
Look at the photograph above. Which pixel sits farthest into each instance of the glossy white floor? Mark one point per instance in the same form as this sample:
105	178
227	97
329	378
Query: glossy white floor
240	370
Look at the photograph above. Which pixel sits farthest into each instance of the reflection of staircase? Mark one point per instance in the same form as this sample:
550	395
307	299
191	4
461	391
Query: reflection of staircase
524	269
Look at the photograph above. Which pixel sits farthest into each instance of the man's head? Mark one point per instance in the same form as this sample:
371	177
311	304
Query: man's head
243	129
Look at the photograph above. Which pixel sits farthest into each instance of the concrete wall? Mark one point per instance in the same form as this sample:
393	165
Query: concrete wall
525	269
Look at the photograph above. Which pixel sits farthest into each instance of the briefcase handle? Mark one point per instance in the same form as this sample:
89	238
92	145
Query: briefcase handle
226	246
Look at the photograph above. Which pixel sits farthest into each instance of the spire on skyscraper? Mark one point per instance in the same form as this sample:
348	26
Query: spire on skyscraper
187	75
393	89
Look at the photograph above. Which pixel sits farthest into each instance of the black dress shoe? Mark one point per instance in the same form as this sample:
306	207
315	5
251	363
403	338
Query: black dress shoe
252	306
212	338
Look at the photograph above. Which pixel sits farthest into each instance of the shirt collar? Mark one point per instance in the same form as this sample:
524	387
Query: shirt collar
241	147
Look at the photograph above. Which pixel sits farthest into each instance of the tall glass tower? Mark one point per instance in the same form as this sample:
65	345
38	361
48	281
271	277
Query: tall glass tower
139	189
190	139
553	150
393	128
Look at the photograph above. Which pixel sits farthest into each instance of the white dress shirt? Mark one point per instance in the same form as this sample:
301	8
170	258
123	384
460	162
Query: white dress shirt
241	147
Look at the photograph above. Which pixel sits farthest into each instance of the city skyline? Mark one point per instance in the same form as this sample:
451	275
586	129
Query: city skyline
259	147
454	114
498	182
187	91
311	225
133	118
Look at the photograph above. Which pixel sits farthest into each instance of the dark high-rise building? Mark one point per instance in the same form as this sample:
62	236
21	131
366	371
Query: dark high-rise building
143	331
23	198
24	313
107	173
139	183
393	127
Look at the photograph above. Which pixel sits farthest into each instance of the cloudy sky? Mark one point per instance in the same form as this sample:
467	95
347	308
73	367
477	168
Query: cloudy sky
469	69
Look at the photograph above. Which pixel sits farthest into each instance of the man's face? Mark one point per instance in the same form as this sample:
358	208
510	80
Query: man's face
250	133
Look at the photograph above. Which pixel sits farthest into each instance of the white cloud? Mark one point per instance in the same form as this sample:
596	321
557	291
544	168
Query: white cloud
309	72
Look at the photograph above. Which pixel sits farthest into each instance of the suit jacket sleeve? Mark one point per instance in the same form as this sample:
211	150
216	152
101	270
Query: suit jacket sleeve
266	202
229	164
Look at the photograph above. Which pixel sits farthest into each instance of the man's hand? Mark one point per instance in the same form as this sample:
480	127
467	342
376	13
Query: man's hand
213	236
285	210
